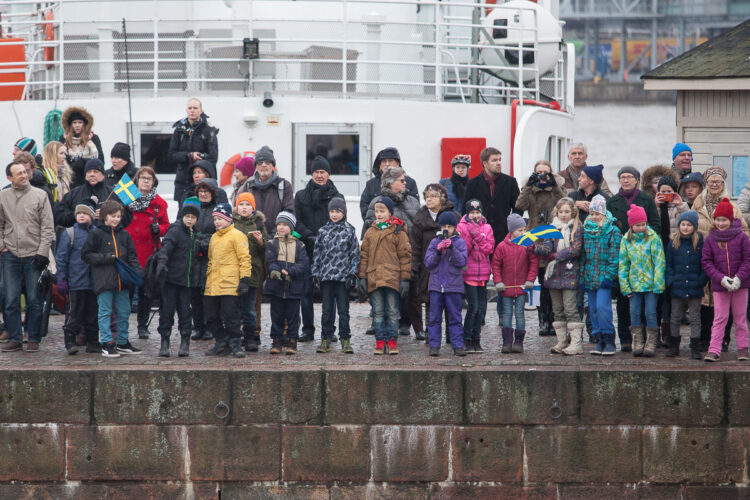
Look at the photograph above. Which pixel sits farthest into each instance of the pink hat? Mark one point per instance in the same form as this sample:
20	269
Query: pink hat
636	214
246	165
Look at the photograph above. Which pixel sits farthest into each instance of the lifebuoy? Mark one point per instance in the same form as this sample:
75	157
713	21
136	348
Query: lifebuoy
228	169
49	36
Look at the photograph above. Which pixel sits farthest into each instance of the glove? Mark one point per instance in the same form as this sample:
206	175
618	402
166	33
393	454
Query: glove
62	287
155	229
39	262
736	283
287	276
161	272
275	275
444	244
362	287
244	287
500	287
528	285
316	282
403	288
532	179
606	284
727	283
351	282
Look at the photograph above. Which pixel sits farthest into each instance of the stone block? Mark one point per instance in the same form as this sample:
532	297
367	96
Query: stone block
596	491
494	492
335	453
693	454
126	453
583	454
32	453
378	491
293	397
242	491
66	396
681	397
522	397
394	397
738	397
409	453
234	453
160	397
487	454
725	492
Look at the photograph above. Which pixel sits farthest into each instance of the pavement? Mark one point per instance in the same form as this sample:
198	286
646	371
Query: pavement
413	353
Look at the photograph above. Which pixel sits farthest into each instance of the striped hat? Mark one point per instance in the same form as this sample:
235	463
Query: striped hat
223	211
287	218
26	144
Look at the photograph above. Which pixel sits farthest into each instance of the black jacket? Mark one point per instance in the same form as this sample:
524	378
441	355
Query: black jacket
112	176
579	195
97	252
619	208
38	180
179	251
311	207
498	207
65	209
200	138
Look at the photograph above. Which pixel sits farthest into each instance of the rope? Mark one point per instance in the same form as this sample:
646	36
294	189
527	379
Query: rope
52	128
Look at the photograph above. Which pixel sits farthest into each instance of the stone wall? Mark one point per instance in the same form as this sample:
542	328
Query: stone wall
524	432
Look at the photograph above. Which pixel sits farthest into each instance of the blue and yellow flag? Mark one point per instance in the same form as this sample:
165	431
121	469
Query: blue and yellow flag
538	233
126	190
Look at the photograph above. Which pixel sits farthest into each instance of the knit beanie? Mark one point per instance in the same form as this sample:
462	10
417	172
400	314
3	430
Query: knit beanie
248	197
629	170
192	206
121	150
694	177
595	173
287	218
26	144
447	218
384	200
636	215
87	207
320	163
246	166
714	171
337	204
515	221
668	180
724	209
679	148
223	211
94	164
691	216
265	154
474	204
598	205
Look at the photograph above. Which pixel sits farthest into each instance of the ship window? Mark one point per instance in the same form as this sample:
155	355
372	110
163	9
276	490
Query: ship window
497	32
341	151
512	55
155	152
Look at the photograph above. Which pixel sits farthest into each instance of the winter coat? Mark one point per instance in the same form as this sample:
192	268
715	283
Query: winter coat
78	154
669	216
228	262
112	176
69	259
499	206
406	208
642	263
336	253
601	253
567	261
743	201
422	231
205	228
513	265
540	202
65	214
373	190
294	287
26	225
656	172
727	253
449	183
385	256
570	181
179	251
580	195
248	225
102	242
480	243
311	209
140	228
271	197
446	268
619	209
39	181
685	275
186	139
706	220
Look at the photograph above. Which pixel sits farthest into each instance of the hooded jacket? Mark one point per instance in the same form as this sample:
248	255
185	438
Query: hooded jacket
186	139
685	274
228	262
540	201
205	228
446	268
248	225
65	215
654	173
373	189
294	287
385	256
101	243
336	253
642	263
69	260
513	265
422	231
480	243
179	251
89	147
311	209
26	224
727	253
271	197
601	253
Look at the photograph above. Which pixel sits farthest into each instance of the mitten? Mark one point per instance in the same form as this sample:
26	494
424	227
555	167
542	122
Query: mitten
500	287
528	285
62	287
726	282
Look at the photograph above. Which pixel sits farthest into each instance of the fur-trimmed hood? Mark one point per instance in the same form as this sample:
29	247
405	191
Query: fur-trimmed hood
88	120
656	172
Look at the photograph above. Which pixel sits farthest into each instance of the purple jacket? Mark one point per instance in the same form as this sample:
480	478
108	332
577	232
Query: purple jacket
727	253
446	268
480	242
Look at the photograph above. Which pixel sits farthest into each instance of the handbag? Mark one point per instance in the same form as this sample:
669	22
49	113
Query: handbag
128	276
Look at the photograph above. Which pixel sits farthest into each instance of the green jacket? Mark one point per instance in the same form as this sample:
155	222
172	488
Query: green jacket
601	247
246	225
642	263
619	208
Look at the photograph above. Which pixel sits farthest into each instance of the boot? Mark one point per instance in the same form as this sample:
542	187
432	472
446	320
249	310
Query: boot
184	344
507	340
291	347
545	330
637	334
518	341
674	347
276	346
650	348
561	330
235	344
695	349
249	342
70	342
576	339
143	332
197	334
164	350
665	335
220	348
609	344
599	347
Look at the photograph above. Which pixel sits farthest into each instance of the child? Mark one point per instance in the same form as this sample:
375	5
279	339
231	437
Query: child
561	276
641	273
601	250
514	269
445	260
74	278
686	279
334	270
726	260
251	223
286	268
384	272
480	243
177	270
104	244
227	279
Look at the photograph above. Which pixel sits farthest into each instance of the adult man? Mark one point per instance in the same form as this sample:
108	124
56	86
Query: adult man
589	185
388	157
311	207
682	159
577	157
34	174
193	139
26	233
121	164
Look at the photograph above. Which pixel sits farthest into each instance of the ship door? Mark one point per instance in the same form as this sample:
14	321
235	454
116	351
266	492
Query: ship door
347	148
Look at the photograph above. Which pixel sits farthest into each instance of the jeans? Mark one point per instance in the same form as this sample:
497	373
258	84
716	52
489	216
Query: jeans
385	306
308	315
636	309
511	306
121	301
247	312
600	310
175	297
335	296
284	310
722	302
476	298
452	303
223	316
16	271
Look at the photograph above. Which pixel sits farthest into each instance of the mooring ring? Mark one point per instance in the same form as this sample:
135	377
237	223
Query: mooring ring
555	411
221	410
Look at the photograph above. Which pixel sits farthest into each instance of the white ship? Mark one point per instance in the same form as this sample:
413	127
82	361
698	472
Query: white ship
344	77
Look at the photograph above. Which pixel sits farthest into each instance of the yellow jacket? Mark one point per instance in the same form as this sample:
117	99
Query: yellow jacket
228	261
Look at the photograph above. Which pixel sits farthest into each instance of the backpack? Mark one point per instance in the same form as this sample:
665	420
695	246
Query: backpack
151	288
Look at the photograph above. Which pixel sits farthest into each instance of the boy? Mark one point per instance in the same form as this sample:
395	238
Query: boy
227	279
384	272
334	270
286	267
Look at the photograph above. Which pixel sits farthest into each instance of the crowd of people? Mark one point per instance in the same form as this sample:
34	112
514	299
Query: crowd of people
669	247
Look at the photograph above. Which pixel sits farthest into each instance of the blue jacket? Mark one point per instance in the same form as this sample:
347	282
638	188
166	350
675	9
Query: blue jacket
685	275
458	203
294	287
446	267
336	253
70	264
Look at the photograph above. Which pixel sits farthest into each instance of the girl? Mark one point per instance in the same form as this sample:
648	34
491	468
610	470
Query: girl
641	273
561	276
480	242
601	244
55	169
726	261
685	279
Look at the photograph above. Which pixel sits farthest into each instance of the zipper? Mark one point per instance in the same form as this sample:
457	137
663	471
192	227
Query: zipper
190	256
117	254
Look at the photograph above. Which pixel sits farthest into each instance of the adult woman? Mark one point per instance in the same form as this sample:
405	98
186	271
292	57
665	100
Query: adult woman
55	169
82	143
455	185
150	222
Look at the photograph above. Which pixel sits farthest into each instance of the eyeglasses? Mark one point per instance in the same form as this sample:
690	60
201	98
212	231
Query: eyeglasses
149	179
715	183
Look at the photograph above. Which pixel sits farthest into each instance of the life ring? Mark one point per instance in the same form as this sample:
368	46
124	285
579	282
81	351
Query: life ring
49	36
228	169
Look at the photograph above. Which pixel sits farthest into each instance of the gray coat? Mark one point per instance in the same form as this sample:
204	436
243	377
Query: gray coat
405	210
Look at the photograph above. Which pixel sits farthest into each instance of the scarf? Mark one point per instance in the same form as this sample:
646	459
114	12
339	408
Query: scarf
567	233
142	203
287	249
712	203
459	185
592	230
268	182
629	197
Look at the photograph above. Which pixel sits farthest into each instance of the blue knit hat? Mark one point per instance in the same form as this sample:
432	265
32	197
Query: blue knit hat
93	164
388	203
693	177
224	211
447	218
679	148
26	144
691	216
595	173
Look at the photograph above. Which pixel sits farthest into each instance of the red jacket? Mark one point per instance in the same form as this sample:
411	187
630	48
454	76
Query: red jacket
514	265
140	228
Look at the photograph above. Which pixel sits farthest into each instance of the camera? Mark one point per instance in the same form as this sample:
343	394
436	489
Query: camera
445	234
202	156
542	217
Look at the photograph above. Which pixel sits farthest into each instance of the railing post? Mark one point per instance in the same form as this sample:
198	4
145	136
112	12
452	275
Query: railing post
156	49
438	53
106	58
61	54
344	54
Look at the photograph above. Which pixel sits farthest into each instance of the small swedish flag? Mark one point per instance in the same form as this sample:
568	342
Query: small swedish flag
126	190
539	232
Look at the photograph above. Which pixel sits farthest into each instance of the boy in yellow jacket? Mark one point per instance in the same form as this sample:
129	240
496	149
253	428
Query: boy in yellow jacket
227	277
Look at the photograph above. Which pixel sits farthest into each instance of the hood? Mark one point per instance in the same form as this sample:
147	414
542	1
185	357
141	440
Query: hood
75	110
258	217
210	184
656	172
101	225
383	154
205	165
